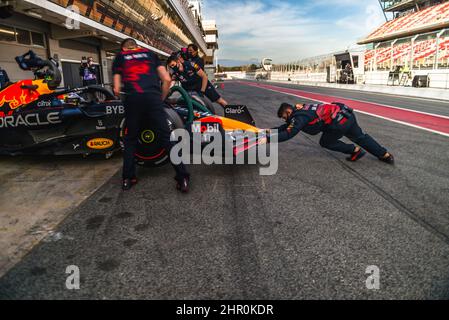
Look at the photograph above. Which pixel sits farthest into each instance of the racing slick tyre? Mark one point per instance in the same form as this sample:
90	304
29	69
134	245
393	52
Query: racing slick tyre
150	152
205	102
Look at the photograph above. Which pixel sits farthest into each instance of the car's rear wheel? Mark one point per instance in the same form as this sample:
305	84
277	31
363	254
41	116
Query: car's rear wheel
150	151
204	101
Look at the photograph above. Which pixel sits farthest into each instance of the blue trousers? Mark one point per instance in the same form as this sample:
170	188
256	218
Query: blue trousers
140	109
351	130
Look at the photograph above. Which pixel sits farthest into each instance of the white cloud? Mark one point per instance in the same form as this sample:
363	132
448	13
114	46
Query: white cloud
363	24
339	3
287	32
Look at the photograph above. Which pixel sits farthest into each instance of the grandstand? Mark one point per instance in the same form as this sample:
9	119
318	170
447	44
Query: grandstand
417	38
413	41
400	8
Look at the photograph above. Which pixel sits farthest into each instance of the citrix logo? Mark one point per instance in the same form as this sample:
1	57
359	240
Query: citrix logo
44	103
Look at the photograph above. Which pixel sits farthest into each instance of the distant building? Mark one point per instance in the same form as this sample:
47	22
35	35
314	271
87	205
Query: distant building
210	34
211	38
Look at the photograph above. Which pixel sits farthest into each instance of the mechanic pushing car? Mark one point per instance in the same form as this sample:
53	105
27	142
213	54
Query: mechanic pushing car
141	73
193	78
335	121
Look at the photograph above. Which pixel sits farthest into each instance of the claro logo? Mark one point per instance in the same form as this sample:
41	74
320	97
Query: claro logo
236	110
100	143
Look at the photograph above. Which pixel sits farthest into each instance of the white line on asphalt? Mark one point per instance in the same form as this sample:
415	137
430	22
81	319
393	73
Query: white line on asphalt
364	112
404	123
375	93
379	104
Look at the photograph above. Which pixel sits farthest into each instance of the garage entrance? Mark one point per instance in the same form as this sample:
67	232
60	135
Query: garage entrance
71	74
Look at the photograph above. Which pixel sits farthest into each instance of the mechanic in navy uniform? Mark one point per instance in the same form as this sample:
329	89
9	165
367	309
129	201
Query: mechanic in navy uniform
4	79
193	78
193	55
334	121
141	73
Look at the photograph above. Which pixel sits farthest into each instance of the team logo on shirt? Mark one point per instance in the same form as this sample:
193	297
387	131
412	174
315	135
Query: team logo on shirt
136	56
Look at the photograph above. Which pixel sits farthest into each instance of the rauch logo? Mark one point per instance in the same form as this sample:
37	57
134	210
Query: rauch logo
100	143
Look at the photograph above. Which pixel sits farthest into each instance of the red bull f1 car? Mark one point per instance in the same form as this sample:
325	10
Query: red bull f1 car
37	117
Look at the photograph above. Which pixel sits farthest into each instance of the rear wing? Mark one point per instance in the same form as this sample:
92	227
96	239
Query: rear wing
239	113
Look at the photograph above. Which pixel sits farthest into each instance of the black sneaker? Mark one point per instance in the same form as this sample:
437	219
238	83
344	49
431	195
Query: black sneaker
128	184
389	159
183	185
356	155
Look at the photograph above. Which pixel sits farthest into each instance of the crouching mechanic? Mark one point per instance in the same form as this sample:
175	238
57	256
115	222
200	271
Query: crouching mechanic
141	73
193	78
335	121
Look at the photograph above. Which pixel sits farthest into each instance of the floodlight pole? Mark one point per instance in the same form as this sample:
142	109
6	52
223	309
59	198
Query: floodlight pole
412	56
391	52
437	53
375	55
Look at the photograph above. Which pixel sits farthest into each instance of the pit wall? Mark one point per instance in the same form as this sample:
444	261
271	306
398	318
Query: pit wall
439	79
376	82
300	77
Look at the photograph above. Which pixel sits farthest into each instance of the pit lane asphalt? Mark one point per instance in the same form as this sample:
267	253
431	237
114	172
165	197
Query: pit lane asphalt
308	232
434	106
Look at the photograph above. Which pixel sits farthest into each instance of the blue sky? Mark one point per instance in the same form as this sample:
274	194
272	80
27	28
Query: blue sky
287	30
